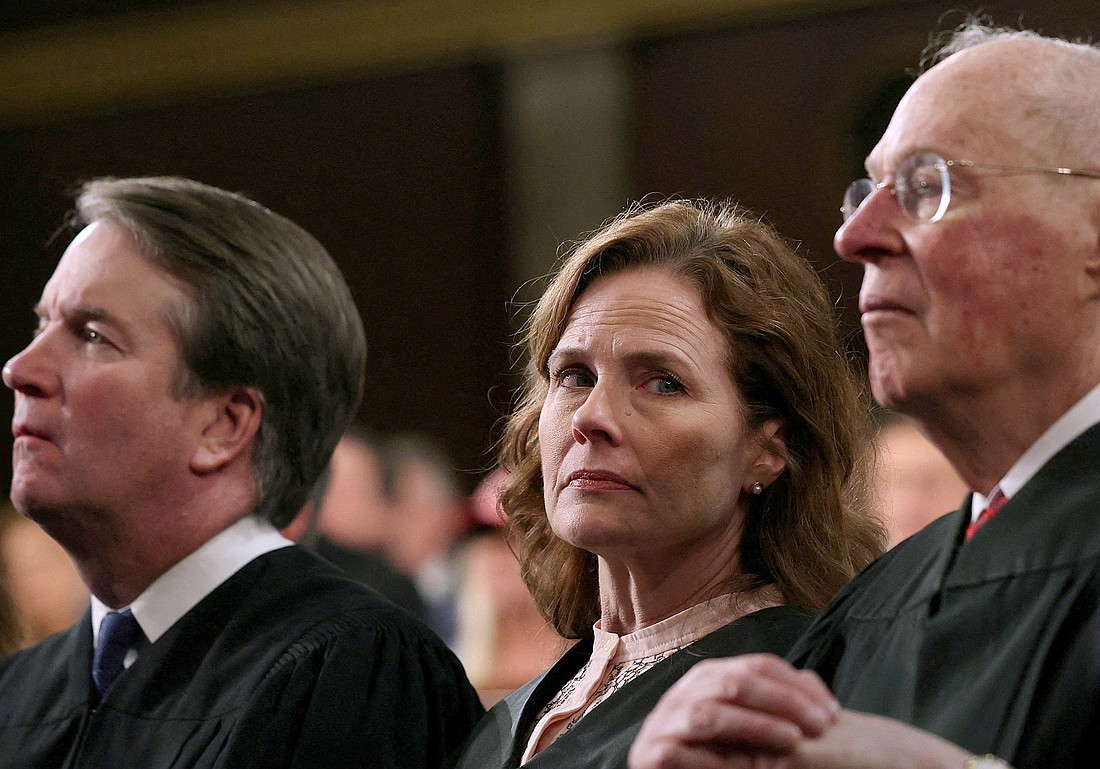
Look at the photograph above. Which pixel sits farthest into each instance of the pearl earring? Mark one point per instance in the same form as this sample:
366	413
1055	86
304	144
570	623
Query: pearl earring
757	488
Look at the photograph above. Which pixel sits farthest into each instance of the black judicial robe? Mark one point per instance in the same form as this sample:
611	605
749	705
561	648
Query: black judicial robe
993	644
602	739
286	664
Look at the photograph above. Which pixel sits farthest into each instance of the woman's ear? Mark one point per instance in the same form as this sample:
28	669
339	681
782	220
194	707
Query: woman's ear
230	429
768	463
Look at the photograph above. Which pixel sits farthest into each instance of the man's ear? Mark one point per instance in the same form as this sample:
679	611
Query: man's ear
1092	273
769	462
1092	263
230	429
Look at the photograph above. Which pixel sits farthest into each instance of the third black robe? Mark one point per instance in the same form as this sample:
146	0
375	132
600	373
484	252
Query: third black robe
993	644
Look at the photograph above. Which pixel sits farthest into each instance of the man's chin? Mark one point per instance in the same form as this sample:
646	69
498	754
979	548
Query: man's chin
32	502
887	387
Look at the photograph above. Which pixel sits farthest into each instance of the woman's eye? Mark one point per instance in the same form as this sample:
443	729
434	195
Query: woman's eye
572	377
666	384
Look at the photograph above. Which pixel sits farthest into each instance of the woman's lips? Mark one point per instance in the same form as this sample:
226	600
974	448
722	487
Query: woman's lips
597	480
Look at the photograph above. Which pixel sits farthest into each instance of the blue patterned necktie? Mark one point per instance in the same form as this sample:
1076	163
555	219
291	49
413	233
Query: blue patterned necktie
117	634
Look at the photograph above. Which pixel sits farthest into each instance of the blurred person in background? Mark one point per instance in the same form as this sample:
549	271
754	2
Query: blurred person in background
46	592
686	472
501	638
426	518
347	519
914	482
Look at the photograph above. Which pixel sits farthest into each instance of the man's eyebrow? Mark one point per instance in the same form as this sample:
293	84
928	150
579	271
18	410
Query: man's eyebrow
90	313
78	314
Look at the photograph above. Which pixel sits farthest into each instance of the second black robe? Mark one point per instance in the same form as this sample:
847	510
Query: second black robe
602	739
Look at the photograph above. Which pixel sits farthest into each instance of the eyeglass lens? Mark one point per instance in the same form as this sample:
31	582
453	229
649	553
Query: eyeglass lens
922	186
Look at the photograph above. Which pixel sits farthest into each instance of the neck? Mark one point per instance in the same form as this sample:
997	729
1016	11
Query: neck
118	555
632	598
983	437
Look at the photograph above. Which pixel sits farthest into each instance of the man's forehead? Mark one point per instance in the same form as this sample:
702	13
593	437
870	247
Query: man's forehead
971	104
104	271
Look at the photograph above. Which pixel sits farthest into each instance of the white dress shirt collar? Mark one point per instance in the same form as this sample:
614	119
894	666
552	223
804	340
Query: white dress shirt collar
179	589
1084	414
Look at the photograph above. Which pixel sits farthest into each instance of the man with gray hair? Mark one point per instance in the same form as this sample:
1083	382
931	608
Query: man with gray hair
979	234
197	357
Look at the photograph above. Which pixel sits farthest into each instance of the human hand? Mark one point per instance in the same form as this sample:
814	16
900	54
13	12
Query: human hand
863	741
751	711
695	726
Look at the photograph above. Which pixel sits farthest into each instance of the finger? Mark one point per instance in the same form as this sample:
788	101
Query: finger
778	669
765	684
771	701
674	755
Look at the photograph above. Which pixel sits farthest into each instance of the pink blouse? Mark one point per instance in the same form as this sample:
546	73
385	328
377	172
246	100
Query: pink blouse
618	660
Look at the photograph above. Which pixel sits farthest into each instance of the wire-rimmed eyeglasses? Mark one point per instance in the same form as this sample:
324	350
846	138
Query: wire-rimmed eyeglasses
922	184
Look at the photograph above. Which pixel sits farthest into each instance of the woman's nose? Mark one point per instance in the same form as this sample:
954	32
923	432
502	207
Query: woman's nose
599	417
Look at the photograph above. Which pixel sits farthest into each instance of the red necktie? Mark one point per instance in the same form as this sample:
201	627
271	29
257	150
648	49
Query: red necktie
991	509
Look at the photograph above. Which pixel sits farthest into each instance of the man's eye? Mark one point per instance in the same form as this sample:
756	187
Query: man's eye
925	187
920	177
91	336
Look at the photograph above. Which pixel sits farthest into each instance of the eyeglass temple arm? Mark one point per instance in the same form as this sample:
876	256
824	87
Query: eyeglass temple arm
1089	172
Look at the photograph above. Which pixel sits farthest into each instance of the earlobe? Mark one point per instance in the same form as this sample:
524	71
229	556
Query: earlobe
769	462
1092	268
230	429
1092	264
1092	274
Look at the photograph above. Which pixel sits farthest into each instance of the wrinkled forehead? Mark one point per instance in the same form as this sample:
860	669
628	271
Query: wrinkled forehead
986	104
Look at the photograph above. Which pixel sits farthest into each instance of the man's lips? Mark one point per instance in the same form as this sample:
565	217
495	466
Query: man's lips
877	304
21	430
597	480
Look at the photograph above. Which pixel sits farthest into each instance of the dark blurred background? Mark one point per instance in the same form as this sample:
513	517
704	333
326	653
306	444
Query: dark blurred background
443	150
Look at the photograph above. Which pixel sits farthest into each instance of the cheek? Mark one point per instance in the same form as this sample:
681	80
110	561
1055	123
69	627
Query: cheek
693	463
963	287
1016	253
99	410
118	415
554	428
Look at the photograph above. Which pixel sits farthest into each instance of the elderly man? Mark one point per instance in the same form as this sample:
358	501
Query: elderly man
197	357
979	234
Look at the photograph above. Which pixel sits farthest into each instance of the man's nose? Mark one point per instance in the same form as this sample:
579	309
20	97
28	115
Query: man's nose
32	371
871	232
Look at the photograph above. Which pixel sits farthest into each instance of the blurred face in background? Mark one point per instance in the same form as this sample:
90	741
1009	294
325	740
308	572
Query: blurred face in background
43	583
914	482
354	510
